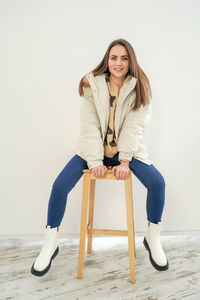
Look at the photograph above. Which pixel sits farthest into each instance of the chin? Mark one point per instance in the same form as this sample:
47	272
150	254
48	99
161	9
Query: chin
119	75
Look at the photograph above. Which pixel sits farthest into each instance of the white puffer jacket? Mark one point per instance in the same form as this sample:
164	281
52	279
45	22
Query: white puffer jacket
94	117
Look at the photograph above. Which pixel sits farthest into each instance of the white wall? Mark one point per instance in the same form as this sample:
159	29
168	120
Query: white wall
46	47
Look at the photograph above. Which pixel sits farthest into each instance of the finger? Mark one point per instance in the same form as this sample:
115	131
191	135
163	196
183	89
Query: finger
116	171
96	173
122	175
105	170
117	174
101	172
125	175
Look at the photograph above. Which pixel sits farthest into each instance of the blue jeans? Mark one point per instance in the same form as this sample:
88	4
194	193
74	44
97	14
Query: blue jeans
149	176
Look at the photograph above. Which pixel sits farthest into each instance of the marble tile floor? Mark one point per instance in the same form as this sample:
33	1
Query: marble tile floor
106	270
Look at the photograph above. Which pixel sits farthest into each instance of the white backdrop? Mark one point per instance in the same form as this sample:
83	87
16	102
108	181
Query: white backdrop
46	47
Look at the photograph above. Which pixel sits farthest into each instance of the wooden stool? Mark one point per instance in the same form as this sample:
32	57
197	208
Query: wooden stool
89	181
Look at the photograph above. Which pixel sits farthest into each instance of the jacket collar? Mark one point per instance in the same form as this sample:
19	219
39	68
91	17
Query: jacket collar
100	92
128	85
98	83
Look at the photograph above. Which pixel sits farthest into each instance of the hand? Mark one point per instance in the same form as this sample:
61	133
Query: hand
121	171
99	171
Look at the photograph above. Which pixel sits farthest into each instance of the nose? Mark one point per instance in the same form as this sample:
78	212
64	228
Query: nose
118	63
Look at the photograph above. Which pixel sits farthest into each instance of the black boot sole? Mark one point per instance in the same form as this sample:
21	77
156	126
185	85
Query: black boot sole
154	264
43	272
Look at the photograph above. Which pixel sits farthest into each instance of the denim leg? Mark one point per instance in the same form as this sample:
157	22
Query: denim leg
72	172
153	180
62	185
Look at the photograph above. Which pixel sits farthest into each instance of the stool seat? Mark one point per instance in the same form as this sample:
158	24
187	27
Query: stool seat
86	227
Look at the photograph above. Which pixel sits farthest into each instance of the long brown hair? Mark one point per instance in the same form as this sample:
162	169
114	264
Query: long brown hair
143	89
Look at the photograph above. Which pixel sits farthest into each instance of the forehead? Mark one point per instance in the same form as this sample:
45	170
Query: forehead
118	50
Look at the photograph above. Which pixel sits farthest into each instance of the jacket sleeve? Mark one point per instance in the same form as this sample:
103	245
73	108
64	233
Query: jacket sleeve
132	131
90	131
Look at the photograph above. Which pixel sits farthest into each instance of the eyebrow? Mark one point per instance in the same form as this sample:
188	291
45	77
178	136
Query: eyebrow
116	55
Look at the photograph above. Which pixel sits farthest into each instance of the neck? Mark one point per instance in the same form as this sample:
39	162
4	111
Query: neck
118	81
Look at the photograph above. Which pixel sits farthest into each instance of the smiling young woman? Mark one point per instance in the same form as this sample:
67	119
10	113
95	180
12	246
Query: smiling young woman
115	110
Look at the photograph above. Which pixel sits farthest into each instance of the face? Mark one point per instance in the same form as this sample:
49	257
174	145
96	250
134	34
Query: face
118	61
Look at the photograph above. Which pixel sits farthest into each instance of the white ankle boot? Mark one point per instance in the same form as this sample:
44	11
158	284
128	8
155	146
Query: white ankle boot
152	243
50	249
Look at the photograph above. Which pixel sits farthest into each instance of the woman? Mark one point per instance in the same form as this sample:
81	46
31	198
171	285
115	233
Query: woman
115	111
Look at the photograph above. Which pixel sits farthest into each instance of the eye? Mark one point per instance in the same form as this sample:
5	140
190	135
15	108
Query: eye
125	58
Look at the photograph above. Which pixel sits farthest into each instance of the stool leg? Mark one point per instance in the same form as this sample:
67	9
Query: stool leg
83	228
130	226
91	214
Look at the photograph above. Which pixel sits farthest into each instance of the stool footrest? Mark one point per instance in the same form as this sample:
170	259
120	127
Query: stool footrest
107	232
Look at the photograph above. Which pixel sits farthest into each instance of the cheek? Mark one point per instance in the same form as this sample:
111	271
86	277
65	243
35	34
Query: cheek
126	65
111	64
